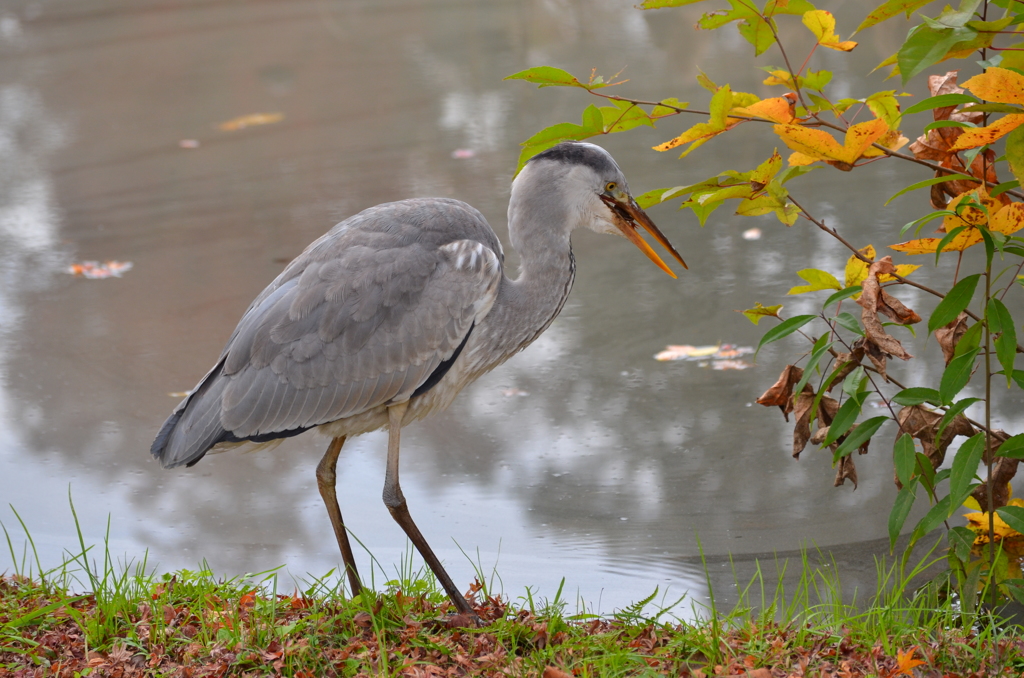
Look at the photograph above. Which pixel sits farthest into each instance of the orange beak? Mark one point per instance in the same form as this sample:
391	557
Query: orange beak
629	217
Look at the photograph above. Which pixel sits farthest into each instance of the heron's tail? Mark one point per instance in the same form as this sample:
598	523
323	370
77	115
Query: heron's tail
194	426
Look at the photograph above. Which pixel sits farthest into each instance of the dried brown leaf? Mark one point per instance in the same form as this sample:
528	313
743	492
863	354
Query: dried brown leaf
802	428
1003	472
845	470
781	392
871	301
949	336
922	424
846	363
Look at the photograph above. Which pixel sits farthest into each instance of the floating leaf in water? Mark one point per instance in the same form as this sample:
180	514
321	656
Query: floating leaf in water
251	120
752	234
510	392
94	270
719	352
730	364
463	153
188	143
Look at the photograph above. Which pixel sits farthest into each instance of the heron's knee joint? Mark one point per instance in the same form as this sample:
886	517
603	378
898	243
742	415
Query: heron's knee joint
393	498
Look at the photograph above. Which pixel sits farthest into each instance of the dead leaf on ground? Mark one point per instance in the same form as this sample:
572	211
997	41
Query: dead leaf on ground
730	365
250	120
94	270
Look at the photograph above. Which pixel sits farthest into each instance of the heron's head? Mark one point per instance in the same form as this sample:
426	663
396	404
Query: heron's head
584	182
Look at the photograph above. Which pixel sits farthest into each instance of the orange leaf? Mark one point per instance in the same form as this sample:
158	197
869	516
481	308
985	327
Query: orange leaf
998	84
779	109
963	240
905	662
972	138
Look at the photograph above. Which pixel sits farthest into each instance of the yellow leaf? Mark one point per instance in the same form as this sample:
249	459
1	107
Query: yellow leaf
799	159
821	145
857	270
767	170
979	136
251	120
998	84
755	314
823	25
969	215
780	78
1009	219
892	140
978	522
779	109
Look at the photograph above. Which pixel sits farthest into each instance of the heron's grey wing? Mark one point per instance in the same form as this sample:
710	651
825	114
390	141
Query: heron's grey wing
362	320
354	333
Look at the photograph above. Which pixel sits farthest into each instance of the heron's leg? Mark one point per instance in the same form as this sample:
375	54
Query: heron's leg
326	479
395	501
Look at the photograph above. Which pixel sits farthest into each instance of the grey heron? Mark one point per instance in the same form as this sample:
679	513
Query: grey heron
386	317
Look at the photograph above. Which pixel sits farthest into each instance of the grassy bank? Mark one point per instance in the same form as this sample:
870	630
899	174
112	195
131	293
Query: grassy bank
124	621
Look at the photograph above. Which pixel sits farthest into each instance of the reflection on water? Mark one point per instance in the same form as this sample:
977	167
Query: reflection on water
581	458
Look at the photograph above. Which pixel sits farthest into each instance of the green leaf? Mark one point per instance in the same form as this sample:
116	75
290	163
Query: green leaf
955	301
903	458
956	375
759	312
921	184
623	116
970	341
593	124
939	124
1015	153
842	294
784	329
821	347
941	101
758	33
818	279
1013	516
957	408
657	196
858	437
936	516
900	510
1012	447
659	4
547	76
961	540
889	9
1000	320
917	396
999	189
844	419
992	108
856	382
850	322
965	467
918	223
926	46
947	239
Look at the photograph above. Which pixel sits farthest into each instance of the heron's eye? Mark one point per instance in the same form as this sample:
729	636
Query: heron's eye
610	186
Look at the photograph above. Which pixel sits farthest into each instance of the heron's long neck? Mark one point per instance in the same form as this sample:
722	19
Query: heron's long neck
527	305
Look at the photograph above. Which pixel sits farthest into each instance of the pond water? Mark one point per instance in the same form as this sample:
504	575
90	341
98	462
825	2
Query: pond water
583	458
